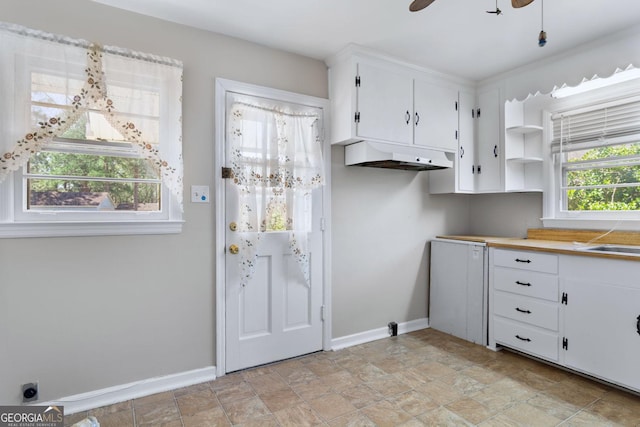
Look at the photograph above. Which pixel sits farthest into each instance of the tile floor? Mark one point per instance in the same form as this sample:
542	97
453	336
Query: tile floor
424	378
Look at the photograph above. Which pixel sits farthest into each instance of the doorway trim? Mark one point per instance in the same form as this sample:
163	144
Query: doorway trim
222	86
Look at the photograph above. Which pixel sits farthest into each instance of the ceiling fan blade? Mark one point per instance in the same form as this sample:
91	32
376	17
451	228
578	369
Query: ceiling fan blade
417	5
520	3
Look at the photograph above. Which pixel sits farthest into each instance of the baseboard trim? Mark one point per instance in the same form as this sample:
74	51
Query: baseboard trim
134	390
377	334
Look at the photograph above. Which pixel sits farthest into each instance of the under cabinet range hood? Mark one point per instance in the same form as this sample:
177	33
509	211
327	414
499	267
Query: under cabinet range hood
393	156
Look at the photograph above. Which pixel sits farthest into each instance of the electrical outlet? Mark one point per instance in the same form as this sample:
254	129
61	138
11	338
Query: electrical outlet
29	392
200	194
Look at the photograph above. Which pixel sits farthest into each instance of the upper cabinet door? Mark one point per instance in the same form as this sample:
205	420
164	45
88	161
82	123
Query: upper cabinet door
466	143
435	117
384	104
489	163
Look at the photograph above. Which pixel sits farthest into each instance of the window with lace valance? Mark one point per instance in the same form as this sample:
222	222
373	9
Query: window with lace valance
90	135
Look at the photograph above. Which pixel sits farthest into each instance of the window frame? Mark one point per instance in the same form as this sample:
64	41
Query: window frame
553	214
17	222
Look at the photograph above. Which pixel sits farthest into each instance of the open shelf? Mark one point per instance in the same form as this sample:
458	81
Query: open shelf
525	160
524	129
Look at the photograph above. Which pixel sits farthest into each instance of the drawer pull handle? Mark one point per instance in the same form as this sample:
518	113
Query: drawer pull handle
527	261
638	325
523	311
523	339
522	283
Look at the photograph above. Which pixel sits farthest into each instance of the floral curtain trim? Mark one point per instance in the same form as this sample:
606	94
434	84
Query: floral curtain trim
94	97
276	158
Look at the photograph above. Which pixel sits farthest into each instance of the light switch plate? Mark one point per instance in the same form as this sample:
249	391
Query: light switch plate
199	194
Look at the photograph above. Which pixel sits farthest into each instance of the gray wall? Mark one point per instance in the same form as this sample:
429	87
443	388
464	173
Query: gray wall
80	314
382	223
505	215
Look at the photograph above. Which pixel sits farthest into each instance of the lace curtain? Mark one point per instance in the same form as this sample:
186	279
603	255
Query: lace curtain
49	82
276	158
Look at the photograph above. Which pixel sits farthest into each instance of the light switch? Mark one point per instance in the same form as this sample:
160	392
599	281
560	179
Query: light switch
199	194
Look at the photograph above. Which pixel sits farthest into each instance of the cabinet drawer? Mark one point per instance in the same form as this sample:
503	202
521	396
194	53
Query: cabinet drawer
526	338
526	260
525	309
528	283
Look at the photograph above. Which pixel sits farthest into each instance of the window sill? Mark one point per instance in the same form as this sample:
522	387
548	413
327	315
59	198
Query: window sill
592	224
71	229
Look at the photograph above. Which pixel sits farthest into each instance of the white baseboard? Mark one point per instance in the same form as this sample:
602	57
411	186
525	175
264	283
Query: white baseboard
377	334
134	390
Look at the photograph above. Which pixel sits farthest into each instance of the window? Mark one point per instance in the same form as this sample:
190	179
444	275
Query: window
596	159
91	142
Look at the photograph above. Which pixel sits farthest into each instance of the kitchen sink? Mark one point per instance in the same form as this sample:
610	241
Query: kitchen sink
614	249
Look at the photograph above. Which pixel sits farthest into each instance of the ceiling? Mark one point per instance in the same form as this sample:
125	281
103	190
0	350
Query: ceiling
452	36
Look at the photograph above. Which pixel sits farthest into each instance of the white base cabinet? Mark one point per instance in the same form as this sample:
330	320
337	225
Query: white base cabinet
579	312
601	310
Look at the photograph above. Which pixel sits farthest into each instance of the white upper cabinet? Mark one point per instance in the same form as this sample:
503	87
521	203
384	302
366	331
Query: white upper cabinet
379	99
435	115
384	106
489	161
477	167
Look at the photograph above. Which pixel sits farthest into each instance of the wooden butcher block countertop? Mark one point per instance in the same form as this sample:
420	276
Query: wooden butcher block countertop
571	242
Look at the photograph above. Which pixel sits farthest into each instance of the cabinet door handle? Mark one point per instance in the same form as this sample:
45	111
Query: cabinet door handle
638	325
417	118
495	151
527	261
523	311
461	152
408	116
522	283
523	339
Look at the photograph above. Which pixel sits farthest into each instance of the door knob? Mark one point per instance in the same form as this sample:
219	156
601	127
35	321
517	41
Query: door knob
234	249
233	226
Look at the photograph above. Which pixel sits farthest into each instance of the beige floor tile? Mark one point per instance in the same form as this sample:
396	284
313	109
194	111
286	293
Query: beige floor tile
331	406
586	419
553	407
410	379
280	399
226	381
388	385
525	414
116	419
443	417
464	384
413	402
433	370
211	417
616	412
322	367
156	399
298	416
203	400
192	389
482	374
368	372
503	394
266	421
570	394
312	389
241	411
361	395
500	420
117	407
470	410
533	380
440	392
257	372
356	419
156	413
234	392
385	414
298	375
267	383
341	380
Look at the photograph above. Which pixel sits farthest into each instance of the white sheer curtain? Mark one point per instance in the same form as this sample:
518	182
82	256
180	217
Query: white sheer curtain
276	158
48	82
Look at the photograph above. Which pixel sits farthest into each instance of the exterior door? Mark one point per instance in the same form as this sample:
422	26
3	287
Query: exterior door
277	314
